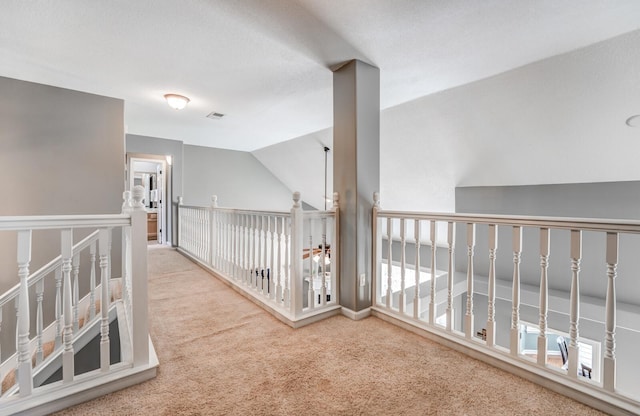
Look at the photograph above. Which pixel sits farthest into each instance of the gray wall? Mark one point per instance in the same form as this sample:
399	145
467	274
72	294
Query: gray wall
163	147
61	152
595	200
237	178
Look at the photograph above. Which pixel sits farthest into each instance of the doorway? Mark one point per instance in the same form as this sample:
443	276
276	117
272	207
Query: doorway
151	172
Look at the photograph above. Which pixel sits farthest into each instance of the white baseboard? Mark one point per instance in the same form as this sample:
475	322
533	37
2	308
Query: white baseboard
356	316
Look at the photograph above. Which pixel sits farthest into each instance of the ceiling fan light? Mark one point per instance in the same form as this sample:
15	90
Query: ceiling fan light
175	101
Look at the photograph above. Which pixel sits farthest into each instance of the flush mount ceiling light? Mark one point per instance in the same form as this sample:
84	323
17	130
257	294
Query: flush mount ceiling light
633	121
175	101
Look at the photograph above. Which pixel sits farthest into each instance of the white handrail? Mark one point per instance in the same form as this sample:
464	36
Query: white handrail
47	268
586	224
63	221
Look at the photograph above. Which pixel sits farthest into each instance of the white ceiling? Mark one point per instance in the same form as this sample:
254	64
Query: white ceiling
265	63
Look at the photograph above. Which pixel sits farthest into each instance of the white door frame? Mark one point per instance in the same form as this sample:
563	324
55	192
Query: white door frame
165	191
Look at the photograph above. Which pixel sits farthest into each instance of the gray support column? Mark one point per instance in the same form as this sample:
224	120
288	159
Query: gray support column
356	174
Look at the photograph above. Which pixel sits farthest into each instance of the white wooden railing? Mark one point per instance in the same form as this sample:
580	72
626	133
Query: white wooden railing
419	289
288	261
70	295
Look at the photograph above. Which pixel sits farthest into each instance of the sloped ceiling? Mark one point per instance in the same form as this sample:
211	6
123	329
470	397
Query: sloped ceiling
559	120
265	63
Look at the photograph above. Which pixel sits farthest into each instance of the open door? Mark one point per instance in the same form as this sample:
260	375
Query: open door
150	173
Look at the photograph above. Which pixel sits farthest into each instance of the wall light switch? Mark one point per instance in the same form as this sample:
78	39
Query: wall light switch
363	279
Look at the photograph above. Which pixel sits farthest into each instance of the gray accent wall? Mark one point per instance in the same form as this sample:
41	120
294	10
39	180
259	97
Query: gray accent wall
61	152
237	178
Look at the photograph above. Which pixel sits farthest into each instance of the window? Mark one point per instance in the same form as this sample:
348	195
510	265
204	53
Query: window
589	350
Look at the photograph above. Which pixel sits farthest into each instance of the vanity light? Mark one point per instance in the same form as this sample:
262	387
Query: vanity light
177	102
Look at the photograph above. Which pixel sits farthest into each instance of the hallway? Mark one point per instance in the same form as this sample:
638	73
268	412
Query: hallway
222	355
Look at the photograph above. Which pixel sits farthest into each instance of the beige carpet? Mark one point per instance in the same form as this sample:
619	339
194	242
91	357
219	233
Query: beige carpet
222	355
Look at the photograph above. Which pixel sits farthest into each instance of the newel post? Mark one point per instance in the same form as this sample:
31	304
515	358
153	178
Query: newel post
139	294
212	229
179	218
296	255
376	230
335	250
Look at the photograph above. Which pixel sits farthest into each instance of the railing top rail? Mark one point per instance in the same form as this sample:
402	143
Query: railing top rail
318	214
586	224
45	222
47	268
252	212
241	211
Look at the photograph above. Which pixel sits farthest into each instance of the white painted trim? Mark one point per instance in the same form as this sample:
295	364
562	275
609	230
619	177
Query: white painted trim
88	386
582	389
282	315
356	316
64	221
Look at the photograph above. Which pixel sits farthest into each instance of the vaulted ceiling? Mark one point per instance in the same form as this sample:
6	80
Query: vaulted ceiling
265	64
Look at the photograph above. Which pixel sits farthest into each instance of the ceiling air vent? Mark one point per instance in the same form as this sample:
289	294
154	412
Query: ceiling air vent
215	116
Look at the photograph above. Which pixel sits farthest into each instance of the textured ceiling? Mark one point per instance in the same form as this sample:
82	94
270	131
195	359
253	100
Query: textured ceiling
265	63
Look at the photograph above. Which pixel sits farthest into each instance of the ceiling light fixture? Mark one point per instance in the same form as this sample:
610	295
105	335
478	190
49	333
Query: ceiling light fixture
175	101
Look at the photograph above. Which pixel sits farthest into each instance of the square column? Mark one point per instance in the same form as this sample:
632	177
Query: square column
356	174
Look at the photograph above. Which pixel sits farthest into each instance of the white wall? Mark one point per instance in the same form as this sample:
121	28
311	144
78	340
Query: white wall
560	120
299	164
237	178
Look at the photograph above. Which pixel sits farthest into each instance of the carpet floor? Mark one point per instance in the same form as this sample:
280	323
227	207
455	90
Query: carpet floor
220	354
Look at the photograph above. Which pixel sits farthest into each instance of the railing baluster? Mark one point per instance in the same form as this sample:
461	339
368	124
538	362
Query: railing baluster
416	293
25	380
515	305
39	320
491	315
432	294
92	275
271	274
323	280
236	243
280	230
265	264
609	367
104	235
239	272
403	265
544	295
471	242
389	263
451	241
68	354
311	294
239	245
247	248
574	317
259	253
58	307
76	294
